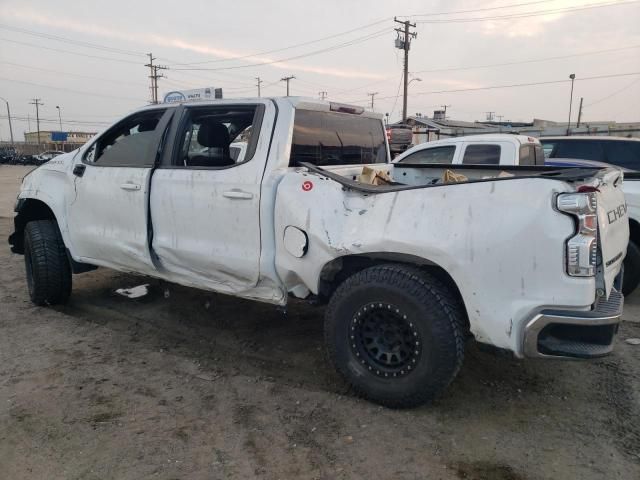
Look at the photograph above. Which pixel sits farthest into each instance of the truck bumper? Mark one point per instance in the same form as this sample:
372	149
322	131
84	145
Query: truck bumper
572	334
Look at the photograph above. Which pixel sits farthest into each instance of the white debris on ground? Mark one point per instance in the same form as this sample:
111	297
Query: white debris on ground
134	292
633	341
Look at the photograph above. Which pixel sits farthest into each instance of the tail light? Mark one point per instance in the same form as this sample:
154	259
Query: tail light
582	248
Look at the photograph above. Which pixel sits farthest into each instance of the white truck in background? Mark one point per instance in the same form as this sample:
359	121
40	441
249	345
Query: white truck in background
410	268
486	149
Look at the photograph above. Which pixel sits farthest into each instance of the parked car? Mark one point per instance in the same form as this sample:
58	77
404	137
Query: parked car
622	152
46	156
399	137
409	263
490	149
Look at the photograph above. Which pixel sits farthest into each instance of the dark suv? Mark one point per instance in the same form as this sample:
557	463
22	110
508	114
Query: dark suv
622	152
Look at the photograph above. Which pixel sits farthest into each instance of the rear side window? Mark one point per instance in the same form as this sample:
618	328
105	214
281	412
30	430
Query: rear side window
431	155
328	138
482	155
583	149
623	154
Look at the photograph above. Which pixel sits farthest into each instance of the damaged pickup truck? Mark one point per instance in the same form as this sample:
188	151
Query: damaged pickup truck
410	264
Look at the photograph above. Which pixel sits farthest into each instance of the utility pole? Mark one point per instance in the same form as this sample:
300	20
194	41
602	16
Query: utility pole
154	76
403	42
572	77
287	79
258	85
372	95
9	118
36	102
59	116
322	95
580	112
490	116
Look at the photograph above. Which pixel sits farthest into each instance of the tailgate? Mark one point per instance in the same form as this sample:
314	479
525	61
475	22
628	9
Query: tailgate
613	225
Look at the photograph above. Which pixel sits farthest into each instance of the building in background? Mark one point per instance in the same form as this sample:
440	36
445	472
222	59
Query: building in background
426	129
49	136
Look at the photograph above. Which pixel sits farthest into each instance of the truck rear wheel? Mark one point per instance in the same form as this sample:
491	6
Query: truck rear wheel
46	262
631	277
396	334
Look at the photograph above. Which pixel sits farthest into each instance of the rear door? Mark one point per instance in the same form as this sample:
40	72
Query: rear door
205	204
108	220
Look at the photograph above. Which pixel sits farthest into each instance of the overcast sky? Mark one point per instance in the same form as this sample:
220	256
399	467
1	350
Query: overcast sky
106	77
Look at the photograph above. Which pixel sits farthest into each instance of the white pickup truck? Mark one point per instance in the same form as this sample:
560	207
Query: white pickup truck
486	149
410	265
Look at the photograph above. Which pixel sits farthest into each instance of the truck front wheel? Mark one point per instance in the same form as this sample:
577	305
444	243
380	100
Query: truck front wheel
46	262
396	334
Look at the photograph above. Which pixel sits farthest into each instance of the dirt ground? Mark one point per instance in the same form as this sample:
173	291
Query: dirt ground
184	384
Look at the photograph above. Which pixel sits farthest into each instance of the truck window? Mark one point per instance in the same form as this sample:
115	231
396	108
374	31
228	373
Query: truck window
207	134
127	143
583	149
482	155
622	153
540	155
328	138
432	155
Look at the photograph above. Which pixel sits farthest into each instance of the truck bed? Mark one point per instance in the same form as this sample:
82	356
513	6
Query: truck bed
407	176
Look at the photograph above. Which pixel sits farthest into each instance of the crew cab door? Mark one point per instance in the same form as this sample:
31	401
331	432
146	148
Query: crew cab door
107	221
205	205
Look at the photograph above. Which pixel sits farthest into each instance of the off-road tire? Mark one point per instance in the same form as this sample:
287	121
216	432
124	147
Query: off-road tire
426	310
631	277
47	266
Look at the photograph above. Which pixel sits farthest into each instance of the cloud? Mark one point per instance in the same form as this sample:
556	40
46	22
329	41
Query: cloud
55	21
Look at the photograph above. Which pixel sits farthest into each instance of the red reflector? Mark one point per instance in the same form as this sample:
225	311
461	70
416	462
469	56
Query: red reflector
587	189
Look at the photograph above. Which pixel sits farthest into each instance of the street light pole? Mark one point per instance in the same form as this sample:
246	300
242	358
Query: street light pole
59	117
9	118
572	77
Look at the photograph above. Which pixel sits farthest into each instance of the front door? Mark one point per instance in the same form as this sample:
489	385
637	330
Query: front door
108	218
206	198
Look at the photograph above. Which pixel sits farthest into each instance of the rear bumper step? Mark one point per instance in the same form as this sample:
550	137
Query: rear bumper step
571	334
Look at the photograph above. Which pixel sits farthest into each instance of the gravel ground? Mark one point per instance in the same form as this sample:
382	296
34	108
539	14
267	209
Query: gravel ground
184	384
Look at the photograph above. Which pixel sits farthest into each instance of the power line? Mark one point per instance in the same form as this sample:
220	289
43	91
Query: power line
520	62
614	93
72	41
513	5
60	50
316	52
515	85
267	52
79	92
60	72
535	13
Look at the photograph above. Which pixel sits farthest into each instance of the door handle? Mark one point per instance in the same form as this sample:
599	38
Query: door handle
130	186
238	194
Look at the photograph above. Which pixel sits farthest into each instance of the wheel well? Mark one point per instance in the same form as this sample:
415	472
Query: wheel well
634	231
30	210
341	268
